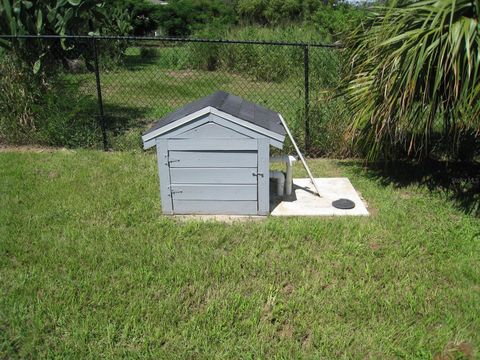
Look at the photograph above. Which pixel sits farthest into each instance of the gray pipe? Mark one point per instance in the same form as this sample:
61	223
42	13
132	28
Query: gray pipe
280	178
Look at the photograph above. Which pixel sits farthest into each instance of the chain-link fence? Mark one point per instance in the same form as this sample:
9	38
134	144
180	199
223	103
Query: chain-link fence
121	85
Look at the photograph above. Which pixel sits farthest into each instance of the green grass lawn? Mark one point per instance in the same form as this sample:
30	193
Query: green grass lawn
90	268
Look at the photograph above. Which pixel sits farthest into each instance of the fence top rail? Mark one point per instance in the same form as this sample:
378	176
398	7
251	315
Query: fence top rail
172	39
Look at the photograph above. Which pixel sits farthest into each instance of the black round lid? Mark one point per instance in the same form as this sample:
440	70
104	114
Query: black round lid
344	204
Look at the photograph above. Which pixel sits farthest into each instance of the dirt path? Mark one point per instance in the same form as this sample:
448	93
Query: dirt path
30	148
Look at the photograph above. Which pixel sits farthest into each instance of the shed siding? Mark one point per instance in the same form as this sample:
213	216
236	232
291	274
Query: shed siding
214	192
210	130
216	207
214	159
263	181
212	144
213	175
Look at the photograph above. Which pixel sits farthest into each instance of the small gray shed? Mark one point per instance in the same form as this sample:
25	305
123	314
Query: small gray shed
213	156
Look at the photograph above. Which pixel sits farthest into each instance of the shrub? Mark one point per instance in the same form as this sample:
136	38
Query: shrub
252	11
18	94
329	119
68	119
207	56
330	17
337	19
183	17
145	17
111	53
37	110
282	11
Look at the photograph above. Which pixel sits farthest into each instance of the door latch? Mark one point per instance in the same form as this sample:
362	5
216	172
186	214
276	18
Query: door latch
257	174
175	192
168	162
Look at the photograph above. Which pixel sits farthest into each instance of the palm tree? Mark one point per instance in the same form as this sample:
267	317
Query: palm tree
414	76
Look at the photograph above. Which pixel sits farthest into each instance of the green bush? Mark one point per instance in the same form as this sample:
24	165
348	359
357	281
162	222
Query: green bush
252	11
111	53
68	119
337	20
207	56
329	119
145	15
282	11
183	17
37	110
18	95
330	17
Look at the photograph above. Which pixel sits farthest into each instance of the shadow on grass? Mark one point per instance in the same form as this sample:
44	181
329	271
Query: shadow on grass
120	119
137	63
458	181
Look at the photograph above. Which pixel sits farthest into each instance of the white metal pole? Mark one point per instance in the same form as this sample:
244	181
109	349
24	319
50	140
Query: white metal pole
300	154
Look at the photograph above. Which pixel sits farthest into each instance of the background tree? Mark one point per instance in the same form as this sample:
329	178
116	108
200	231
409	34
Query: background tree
56	17
413	80
183	17
145	16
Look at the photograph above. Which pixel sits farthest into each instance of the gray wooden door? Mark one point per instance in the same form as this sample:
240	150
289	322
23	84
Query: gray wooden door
206	179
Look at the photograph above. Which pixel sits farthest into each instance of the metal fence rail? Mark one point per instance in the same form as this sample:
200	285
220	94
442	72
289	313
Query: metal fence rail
135	80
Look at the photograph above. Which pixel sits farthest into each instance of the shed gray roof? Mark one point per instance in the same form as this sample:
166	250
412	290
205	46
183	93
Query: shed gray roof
230	104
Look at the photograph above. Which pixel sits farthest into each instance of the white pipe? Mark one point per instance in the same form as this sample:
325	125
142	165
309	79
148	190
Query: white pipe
299	154
289	177
280	177
288	160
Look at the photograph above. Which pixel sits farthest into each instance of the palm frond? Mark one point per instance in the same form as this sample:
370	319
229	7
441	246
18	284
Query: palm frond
413	66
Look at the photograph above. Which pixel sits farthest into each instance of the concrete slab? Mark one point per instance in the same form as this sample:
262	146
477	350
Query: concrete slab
304	201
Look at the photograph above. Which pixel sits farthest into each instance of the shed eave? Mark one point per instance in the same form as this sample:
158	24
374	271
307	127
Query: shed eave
157	132
249	125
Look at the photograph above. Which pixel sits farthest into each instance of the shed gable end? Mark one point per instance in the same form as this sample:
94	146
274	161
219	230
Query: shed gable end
211	129
223	124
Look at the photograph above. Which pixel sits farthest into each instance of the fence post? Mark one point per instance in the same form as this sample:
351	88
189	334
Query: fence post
306	74
103	124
